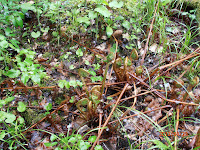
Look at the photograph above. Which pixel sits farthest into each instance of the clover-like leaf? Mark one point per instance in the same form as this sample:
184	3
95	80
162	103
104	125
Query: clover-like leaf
10	118
72	140
98	147
79	52
21	120
21	107
92	138
35	34
48	107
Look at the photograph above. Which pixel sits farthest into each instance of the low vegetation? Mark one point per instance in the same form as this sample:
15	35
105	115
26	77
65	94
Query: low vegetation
99	74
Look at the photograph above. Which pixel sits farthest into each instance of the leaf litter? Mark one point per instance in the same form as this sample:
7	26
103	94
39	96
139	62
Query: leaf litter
154	92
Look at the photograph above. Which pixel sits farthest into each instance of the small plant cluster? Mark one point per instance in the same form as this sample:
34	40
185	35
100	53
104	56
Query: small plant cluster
74	142
70	31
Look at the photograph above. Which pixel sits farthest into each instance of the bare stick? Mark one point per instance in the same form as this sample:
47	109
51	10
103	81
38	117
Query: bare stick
104	125
147	43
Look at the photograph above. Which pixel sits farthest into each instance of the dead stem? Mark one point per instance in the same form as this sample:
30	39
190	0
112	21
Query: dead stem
106	122
147	43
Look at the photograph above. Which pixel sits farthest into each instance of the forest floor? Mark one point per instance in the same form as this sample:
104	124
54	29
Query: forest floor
98	75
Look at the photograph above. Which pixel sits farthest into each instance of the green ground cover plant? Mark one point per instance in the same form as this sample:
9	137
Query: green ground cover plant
99	74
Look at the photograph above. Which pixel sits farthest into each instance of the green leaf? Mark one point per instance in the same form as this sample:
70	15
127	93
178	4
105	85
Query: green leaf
4	44
98	147
92	138
84	19
87	62
15	43
116	4
78	136
72	100
165	2
19	21
2	135
8	32
159	144
25	77
98	78
93	73
55	34
36	78
83	145
61	83
67	85
21	107
13	21
10	118
50	144
13	73
92	14
21	120
53	137
79	52
1	58
35	34
79	83
103	11
126	25
2	37
119	18
9	99
73	83
71	67
109	31
72	140
2	115
27	6
48	107
45	29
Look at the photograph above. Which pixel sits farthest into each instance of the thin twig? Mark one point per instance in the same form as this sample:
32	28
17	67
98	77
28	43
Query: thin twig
147	43
135	100
110	115
176	129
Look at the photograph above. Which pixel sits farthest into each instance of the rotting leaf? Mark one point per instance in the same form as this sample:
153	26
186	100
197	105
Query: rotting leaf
197	142
84	73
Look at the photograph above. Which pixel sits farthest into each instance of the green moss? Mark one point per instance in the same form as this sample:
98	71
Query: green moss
32	116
